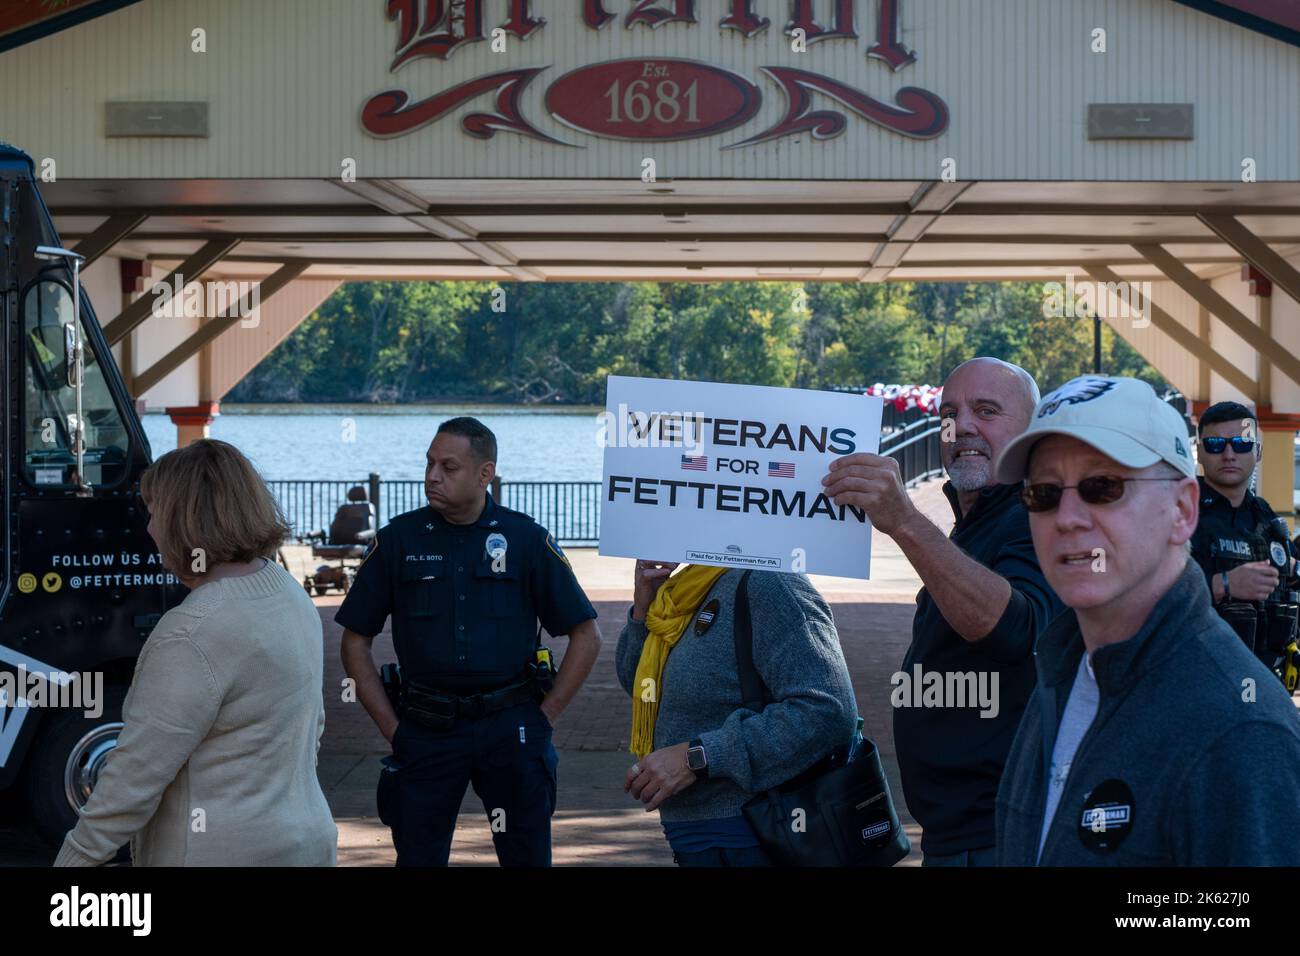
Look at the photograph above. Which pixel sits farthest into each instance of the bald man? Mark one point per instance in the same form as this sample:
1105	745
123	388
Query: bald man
970	668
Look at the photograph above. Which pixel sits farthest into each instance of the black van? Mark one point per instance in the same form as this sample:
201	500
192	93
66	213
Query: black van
81	583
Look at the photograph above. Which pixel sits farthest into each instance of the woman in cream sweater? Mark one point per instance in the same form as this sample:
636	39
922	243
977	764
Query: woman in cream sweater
216	763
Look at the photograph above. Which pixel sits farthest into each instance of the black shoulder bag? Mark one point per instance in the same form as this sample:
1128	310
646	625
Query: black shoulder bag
839	812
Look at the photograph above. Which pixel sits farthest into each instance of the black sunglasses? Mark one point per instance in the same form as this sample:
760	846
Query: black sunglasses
1214	444
1097	490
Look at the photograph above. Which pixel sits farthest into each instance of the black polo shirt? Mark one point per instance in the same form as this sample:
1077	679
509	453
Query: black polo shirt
951	758
463	620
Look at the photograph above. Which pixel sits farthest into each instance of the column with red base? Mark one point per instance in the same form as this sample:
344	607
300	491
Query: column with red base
192	421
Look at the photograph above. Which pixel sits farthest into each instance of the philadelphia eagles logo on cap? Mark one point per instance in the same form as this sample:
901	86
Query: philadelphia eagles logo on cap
1083	389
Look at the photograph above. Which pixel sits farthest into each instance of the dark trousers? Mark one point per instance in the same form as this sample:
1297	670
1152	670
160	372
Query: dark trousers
507	757
724	856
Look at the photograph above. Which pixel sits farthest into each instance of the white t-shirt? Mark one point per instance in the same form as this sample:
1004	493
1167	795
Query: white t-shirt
1080	710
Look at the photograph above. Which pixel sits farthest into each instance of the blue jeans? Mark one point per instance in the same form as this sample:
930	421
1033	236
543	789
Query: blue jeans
983	856
725	856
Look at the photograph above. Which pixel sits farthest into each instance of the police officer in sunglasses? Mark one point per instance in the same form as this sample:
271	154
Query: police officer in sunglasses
1154	737
1242	546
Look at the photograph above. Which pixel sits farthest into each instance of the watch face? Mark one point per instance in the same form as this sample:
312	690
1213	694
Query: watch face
695	758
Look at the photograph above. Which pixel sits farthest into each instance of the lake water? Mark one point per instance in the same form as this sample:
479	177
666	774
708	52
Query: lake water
350	441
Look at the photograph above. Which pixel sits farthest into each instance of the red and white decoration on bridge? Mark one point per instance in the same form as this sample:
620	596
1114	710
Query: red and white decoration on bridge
905	397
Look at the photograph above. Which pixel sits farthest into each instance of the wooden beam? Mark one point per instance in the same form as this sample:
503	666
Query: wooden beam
927	205
1203	332
1182	336
1255	251
213	327
221	211
1091	239
191	269
1223	310
110	232
1011	239
1188	210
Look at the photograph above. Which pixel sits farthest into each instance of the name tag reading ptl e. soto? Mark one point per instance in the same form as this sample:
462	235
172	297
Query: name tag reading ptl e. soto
731	475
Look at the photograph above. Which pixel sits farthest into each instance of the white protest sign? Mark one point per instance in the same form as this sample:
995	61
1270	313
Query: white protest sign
730	475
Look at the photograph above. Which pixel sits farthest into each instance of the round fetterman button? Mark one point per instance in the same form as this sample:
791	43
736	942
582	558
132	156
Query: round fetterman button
1108	814
704	620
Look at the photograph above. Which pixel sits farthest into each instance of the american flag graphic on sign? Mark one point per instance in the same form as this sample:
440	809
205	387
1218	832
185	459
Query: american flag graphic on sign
780	469
695	462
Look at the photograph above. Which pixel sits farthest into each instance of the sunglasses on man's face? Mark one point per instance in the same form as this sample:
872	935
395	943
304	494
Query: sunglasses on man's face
1215	444
1097	490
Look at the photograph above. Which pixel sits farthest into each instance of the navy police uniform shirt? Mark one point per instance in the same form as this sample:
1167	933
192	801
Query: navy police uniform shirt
1227	537
464	620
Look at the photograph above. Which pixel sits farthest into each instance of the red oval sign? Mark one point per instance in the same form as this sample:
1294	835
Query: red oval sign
650	98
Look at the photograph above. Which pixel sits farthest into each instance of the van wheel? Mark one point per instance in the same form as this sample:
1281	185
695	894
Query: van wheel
66	760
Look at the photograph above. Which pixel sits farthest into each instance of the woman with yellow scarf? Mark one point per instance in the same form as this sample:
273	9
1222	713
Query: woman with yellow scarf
700	754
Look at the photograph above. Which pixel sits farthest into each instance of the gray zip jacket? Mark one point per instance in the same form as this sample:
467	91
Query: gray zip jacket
1193	757
796	652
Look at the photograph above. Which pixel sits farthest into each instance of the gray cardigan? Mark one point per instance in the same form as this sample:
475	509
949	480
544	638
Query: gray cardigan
796	652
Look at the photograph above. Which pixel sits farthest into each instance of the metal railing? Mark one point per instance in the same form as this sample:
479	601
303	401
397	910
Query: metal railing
570	510
912	438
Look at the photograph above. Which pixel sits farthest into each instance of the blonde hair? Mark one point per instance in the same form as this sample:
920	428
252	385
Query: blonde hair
208	496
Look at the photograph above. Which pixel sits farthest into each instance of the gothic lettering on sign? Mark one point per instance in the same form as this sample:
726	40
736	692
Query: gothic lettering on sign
520	23
434	27
594	15
743	18
801	18
645	11
887	46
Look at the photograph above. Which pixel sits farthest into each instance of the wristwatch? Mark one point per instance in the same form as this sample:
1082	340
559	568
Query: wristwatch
1227	592
696	759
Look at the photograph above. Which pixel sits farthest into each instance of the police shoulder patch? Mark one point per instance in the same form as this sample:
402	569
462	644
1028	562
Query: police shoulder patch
556	550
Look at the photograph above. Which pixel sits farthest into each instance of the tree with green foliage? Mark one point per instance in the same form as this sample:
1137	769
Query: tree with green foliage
558	342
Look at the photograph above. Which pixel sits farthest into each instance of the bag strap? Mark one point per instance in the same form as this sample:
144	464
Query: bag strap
752	693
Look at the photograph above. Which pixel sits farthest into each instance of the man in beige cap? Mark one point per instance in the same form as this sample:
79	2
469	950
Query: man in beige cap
1154	737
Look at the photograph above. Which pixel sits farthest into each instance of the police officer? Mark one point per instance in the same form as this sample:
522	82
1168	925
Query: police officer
1244	548
465	581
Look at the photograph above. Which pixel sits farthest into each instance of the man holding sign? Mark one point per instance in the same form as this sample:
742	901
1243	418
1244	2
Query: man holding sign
982	607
